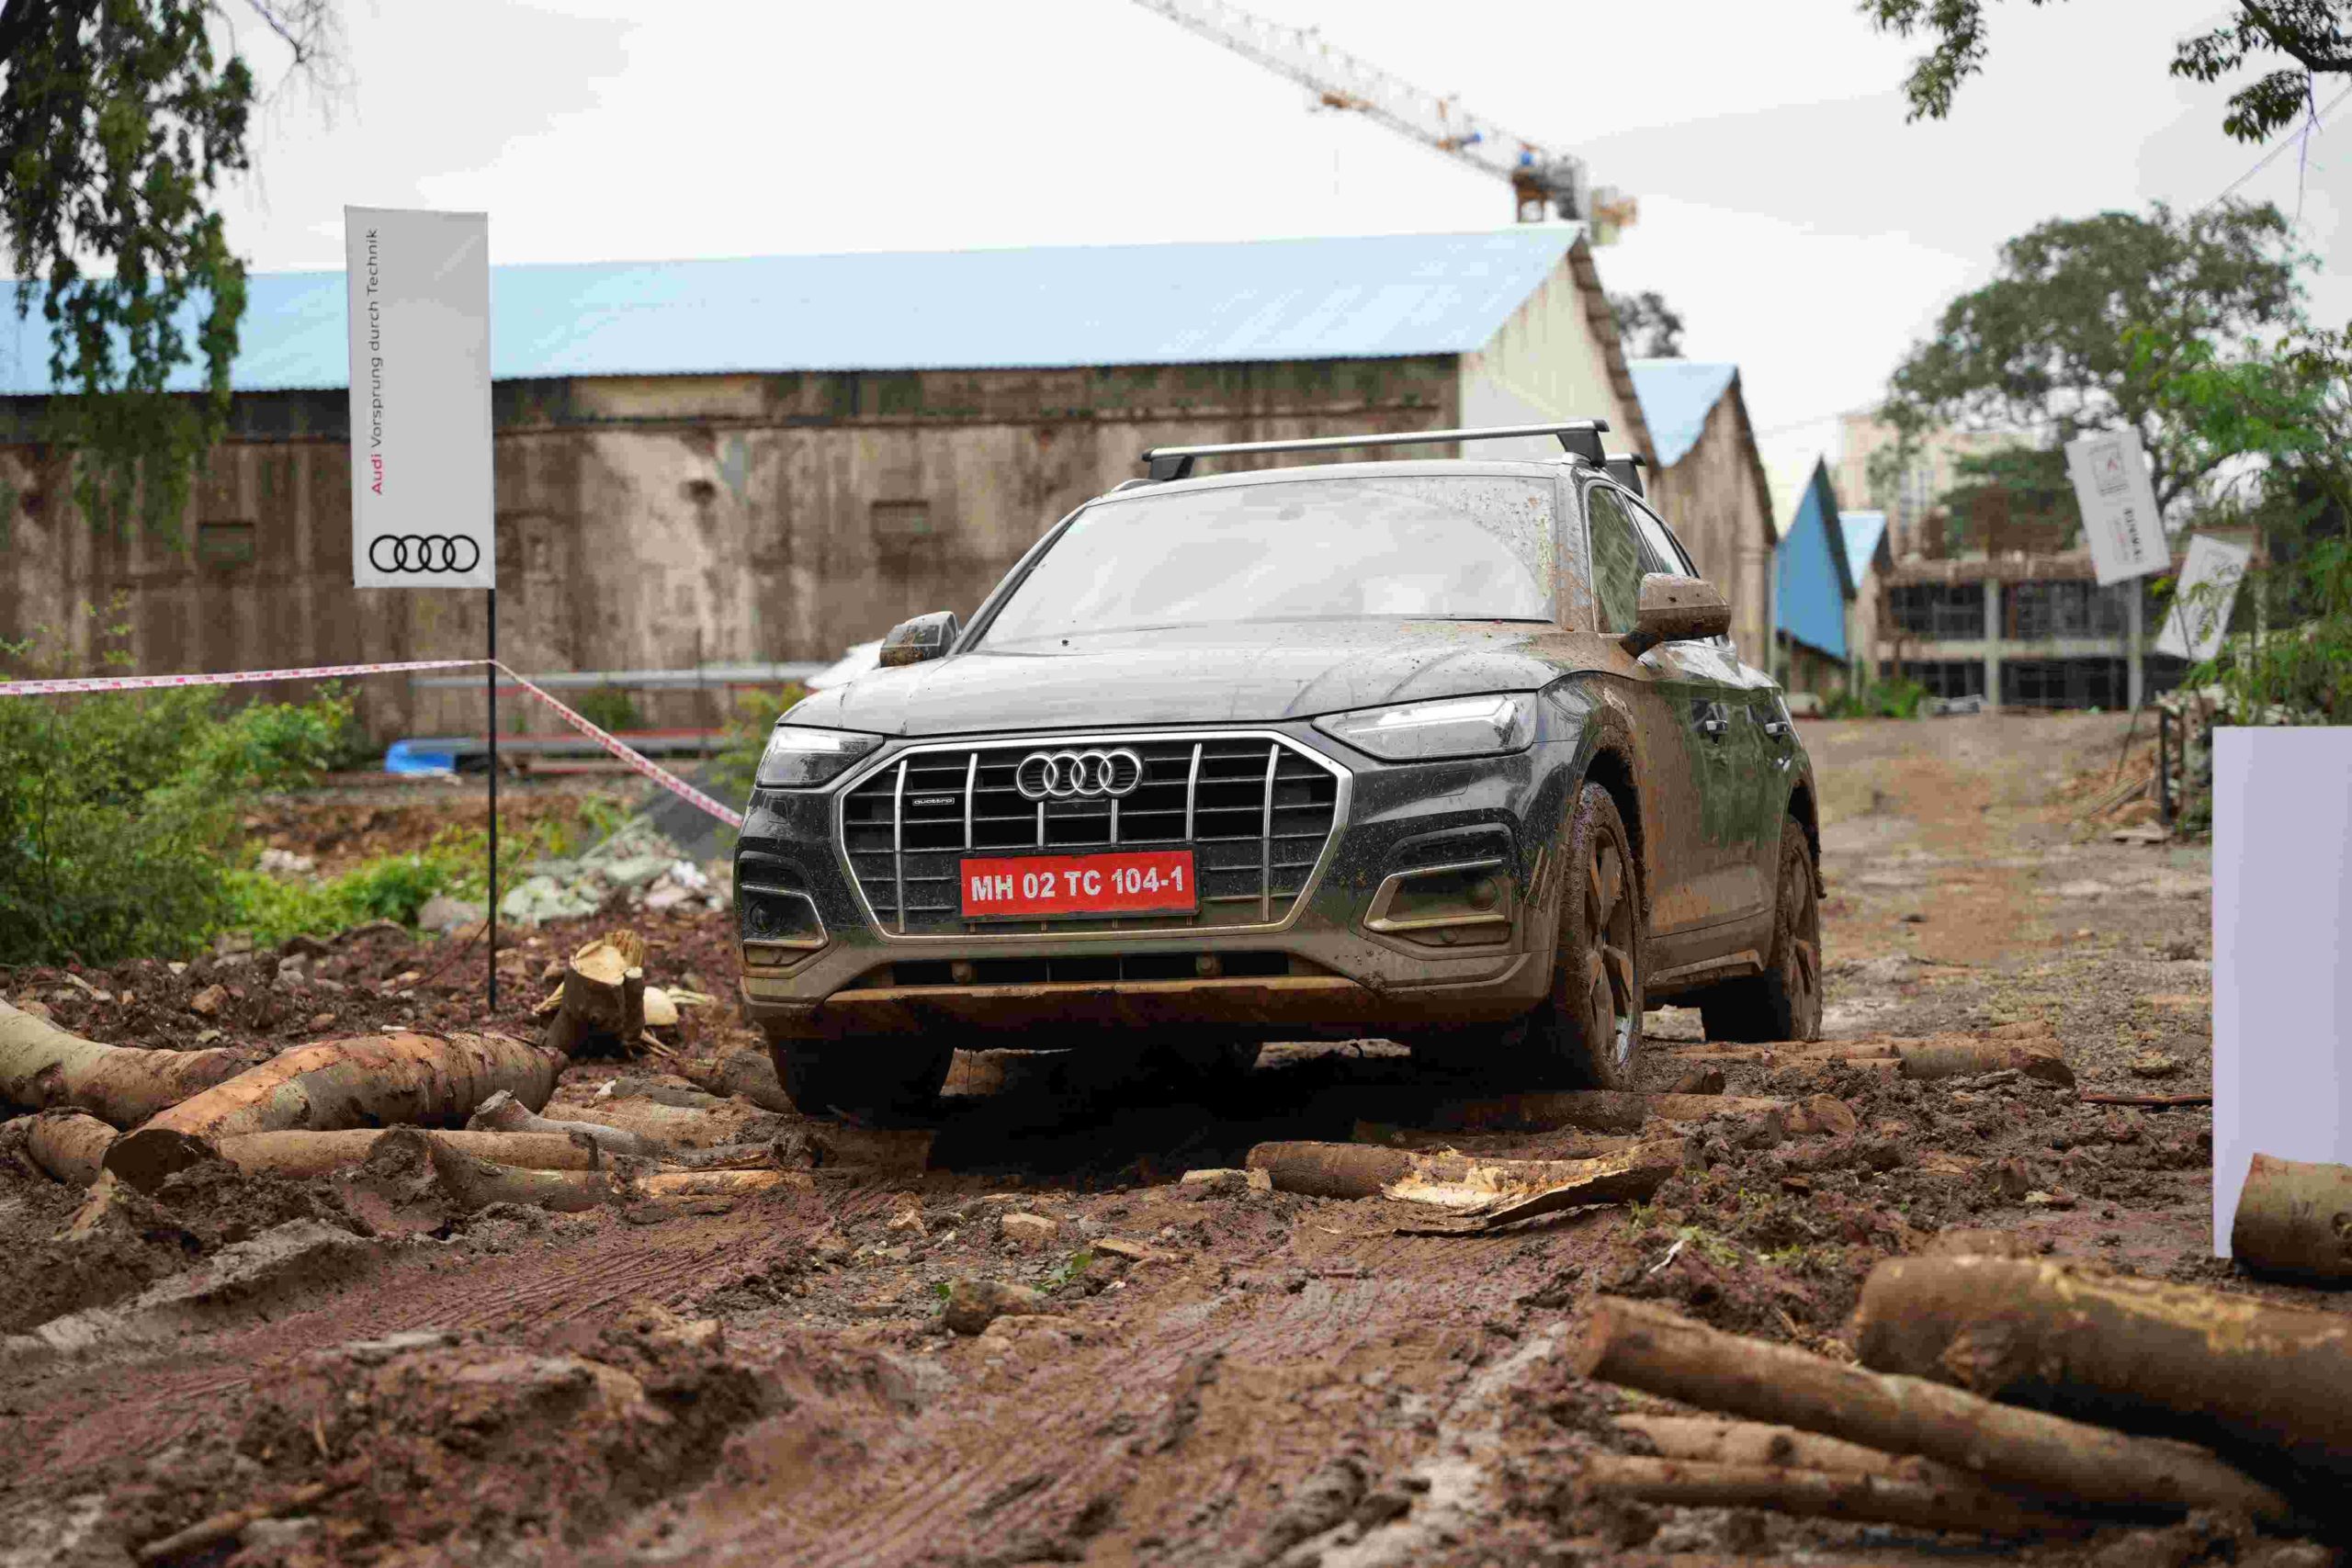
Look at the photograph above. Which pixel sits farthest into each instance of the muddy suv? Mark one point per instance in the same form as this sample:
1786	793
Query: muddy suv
1452	752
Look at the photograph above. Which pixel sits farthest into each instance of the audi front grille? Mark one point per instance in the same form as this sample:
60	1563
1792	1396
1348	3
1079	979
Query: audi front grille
1256	810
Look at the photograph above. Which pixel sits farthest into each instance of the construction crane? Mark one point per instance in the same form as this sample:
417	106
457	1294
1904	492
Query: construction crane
1543	182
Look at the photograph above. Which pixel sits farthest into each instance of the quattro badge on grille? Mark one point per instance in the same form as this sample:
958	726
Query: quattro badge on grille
1078	775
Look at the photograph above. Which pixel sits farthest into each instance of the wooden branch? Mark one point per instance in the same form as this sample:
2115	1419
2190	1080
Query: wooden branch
1874	1499
2294	1218
43	1067
300	1154
2162	1101
1712	1439
502	1112
2267	1384
1658	1351
377	1079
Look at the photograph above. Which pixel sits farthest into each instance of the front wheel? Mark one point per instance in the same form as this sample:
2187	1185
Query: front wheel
867	1080
1588	1032
1784	1002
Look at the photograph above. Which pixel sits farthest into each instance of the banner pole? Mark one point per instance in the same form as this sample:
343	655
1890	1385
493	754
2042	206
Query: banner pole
491	913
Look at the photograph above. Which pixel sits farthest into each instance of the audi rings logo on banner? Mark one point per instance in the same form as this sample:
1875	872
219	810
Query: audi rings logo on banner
1078	775
423	552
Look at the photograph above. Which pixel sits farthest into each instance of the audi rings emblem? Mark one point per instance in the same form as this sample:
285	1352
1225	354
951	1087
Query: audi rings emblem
1078	775
423	552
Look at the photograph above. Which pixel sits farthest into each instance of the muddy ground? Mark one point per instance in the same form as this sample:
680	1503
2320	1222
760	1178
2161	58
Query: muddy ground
1275	1378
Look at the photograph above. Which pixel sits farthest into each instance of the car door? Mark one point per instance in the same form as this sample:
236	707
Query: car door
1670	756
1711	697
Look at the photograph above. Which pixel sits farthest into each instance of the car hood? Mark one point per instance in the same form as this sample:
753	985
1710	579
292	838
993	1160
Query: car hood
1249	674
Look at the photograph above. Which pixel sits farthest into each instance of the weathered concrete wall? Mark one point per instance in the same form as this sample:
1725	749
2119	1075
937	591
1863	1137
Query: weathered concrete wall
647	523
1720	505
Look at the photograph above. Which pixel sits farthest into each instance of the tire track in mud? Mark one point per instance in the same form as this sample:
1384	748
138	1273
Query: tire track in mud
984	1440
100	1409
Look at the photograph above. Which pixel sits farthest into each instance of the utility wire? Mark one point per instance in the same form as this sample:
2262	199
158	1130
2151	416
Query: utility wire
2303	139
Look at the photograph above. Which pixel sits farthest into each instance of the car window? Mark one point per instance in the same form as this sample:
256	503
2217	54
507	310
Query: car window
1413	547
1616	560
1662	545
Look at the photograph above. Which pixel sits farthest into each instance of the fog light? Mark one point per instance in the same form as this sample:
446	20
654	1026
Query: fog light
1445	906
963	972
779	917
1208	966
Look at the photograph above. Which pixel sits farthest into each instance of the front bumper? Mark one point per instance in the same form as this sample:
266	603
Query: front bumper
1353	953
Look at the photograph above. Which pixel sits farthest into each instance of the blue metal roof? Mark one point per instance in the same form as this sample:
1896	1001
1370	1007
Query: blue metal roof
1677	395
1863	531
1812	581
1377	297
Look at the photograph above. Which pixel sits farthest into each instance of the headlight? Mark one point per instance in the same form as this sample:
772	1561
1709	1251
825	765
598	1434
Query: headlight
799	757
1456	727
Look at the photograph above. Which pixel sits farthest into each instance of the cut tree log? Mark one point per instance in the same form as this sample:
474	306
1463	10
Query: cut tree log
2270	1386
69	1144
1649	1347
745	1075
371	1080
1817	1493
602	1005
299	1156
1592	1111
1963	1057
1495	1192
44	1069
1712	1439
476	1183
2294	1219
502	1112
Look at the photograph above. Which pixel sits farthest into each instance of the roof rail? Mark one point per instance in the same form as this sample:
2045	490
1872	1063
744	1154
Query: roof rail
1626	467
1581	439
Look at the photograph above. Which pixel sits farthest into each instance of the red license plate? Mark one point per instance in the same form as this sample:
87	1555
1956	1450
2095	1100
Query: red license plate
1153	882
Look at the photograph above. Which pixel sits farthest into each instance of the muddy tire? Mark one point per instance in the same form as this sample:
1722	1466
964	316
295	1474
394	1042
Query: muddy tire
871	1080
1587	1033
1784	1002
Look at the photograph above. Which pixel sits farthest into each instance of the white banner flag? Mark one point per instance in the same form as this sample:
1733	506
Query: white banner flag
2200	617
421	515
2118	503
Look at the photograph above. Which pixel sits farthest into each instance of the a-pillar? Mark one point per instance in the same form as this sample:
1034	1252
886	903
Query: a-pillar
1992	642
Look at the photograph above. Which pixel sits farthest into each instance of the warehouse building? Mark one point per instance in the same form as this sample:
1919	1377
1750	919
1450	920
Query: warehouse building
1710	484
773	458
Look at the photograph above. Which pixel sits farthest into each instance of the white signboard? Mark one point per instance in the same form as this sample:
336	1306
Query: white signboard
2200	617
2282	993
2120	519
421	505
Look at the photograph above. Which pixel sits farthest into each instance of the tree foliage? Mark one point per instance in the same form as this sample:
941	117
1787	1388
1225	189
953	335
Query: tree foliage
2280	421
2303	38
2019	497
2043	348
119	120
1650	327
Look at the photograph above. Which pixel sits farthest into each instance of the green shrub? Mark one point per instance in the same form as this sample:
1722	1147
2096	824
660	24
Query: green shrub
737	762
606	707
114	808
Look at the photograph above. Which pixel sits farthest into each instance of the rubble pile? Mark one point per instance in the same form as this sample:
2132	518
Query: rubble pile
635	868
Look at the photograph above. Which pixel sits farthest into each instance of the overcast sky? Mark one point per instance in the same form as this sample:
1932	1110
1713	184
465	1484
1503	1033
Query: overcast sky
1800	226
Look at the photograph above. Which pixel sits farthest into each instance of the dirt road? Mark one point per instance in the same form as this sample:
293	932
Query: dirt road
1217	1375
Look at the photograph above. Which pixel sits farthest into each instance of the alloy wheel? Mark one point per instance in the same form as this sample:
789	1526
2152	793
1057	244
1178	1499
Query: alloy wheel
1615	1008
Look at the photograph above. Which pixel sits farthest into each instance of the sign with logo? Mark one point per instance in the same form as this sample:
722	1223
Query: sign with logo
2200	617
2118	503
421	506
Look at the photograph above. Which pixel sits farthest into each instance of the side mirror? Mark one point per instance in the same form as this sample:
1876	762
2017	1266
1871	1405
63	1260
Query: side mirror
1679	609
926	636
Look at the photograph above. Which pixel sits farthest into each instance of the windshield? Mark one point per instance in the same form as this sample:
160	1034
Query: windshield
1441	547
